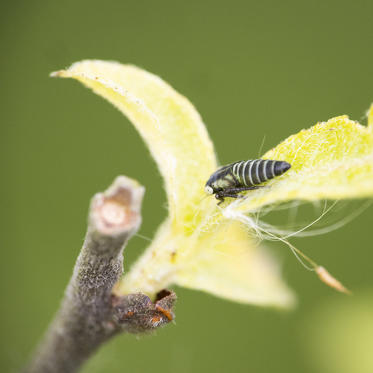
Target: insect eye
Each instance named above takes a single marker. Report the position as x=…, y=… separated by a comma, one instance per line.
x=208, y=189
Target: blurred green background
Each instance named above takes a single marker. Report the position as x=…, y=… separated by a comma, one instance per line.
x=252, y=69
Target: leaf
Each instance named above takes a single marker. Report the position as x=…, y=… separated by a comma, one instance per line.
x=331, y=160
x=228, y=264
x=168, y=123
x=225, y=262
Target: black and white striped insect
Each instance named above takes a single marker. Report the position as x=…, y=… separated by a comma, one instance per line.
x=237, y=177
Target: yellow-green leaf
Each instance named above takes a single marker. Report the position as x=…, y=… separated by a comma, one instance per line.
x=223, y=261
x=331, y=160
x=228, y=264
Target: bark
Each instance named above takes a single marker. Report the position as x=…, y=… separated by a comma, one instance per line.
x=90, y=314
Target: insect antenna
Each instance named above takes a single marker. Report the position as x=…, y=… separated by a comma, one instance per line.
x=261, y=146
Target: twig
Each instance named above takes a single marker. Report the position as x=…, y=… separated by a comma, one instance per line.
x=90, y=314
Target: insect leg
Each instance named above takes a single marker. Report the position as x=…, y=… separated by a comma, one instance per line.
x=232, y=192
x=231, y=195
x=240, y=189
x=221, y=196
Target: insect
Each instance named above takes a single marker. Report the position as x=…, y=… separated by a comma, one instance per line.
x=239, y=176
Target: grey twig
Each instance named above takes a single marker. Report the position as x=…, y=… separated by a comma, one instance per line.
x=90, y=314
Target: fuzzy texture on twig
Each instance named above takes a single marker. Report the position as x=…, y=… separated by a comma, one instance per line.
x=90, y=314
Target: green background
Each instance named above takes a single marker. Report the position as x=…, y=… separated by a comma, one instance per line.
x=253, y=69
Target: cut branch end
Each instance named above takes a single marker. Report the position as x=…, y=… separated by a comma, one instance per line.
x=118, y=209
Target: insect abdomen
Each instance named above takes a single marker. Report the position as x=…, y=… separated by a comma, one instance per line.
x=257, y=171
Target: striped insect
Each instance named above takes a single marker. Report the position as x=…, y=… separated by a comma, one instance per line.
x=240, y=176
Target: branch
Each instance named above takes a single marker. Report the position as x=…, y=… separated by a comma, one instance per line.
x=90, y=314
